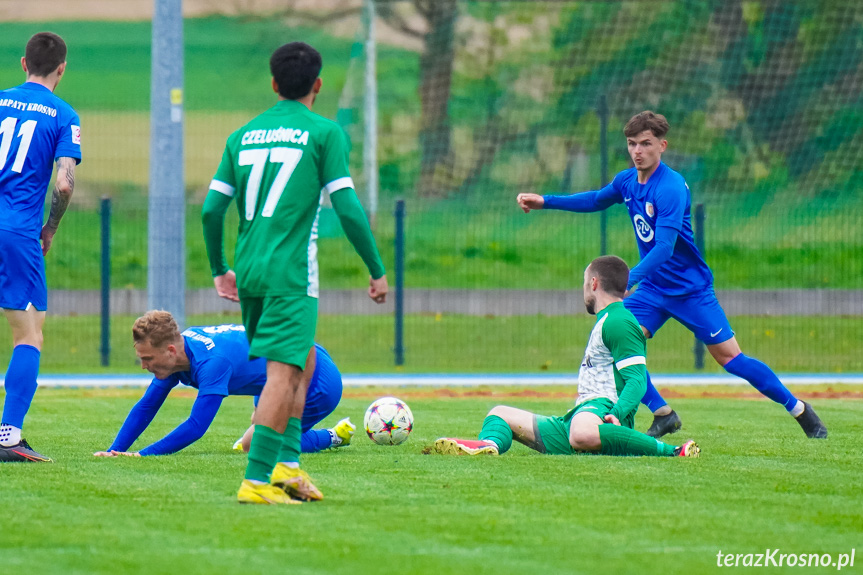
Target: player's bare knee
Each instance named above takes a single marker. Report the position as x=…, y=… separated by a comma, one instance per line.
x=499, y=411
x=724, y=352
x=724, y=360
x=585, y=438
x=33, y=339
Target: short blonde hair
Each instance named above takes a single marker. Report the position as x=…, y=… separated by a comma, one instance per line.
x=157, y=327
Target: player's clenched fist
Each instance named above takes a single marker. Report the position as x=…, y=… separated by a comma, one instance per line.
x=529, y=202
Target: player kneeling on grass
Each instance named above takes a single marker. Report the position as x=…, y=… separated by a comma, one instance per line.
x=611, y=383
x=215, y=360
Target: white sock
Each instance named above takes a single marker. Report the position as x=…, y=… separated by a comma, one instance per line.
x=334, y=438
x=797, y=409
x=291, y=464
x=9, y=435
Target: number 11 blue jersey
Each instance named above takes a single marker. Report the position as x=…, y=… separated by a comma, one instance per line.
x=36, y=128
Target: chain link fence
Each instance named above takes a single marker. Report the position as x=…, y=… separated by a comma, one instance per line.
x=478, y=101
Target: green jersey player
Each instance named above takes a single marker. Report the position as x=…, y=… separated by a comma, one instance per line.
x=611, y=383
x=277, y=167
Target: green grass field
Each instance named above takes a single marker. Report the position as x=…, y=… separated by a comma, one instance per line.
x=759, y=484
x=469, y=344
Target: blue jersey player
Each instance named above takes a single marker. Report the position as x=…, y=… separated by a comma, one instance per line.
x=37, y=130
x=215, y=361
x=672, y=278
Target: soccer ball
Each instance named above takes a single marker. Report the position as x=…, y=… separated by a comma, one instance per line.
x=388, y=421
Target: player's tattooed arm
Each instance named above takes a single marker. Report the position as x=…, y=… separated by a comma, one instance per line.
x=63, y=189
x=59, y=200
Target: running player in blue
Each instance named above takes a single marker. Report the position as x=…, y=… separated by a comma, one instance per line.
x=672, y=278
x=37, y=129
x=215, y=361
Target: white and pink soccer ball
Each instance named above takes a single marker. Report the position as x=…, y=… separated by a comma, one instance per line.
x=388, y=421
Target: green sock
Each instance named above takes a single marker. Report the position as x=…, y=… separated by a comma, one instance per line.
x=619, y=440
x=495, y=429
x=291, y=442
x=263, y=453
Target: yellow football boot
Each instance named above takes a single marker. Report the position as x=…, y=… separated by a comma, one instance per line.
x=295, y=482
x=263, y=494
x=453, y=446
x=344, y=431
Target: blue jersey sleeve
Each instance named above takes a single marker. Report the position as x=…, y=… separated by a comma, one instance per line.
x=213, y=376
x=671, y=206
x=167, y=384
x=585, y=201
x=141, y=415
x=203, y=413
x=69, y=142
x=666, y=237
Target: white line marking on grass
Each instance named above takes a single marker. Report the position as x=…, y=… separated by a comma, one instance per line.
x=468, y=380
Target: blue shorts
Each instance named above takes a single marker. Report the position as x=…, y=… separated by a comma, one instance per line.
x=22, y=273
x=324, y=393
x=699, y=312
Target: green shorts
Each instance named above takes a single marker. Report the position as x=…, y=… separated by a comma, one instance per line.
x=280, y=328
x=552, y=433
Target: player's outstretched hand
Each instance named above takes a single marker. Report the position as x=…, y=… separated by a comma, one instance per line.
x=378, y=289
x=529, y=202
x=47, y=237
x=611, y=419
x=126, y=453
x=104, y=454
x=226, y=286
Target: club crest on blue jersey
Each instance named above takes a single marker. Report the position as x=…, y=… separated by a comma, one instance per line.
x=649, y=208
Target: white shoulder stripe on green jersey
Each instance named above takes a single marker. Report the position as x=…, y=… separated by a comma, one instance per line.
x=222, y=188
x=634, y=360
x=313, y=285
x=339, y=184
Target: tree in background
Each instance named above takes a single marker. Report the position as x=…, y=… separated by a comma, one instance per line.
x=437, y=31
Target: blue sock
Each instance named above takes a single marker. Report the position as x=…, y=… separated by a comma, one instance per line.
x=315, y=440
x=651, y=398
x=762, y=378
x=20, y=384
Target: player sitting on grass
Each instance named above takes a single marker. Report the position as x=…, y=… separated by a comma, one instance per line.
x=215, y=360
x=611, y=383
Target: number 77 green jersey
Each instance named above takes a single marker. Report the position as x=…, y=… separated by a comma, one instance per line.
x=277, y=167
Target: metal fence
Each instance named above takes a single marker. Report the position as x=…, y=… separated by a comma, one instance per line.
x=478, y=101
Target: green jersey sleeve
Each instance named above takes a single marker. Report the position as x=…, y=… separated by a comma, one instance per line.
x=624, y=338
x=356, y=226
x=225, y=181
x=335, y=174
x=213, y=220
x=222, y=190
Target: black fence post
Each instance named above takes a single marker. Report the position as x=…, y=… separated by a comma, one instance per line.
x=698, y=350
x=105, y=219
x=399, y=348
